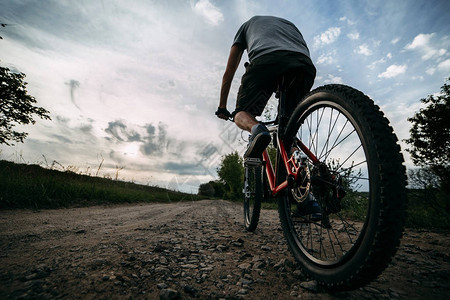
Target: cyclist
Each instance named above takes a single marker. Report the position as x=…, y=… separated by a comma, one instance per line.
x=275, y=46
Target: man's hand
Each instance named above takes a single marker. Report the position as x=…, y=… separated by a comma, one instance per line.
x=223, y=113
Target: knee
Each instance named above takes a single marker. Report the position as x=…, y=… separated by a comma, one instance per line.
x=244, y=120
x=240, y=115
x=243, y=117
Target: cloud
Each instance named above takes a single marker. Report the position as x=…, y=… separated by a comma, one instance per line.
x=62, y=139
x=393, y=71
x=79, y=130
x=445, y=65
x=211, y=14
x=345, y=19
x=333, y=79
x=375, y=63
x=86, y=128
x=380, y=61
x=353, y=36
x=325, y=59
x=155, y=142
x=364, y=50
x=327, y=37
x=423, y=44
x=150, y=140
x=430, y=71
x=420, y=41
x=181, y=168
x=73, y=84
x=119, y=131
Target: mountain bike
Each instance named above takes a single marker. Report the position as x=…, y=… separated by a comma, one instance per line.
x=338, y=148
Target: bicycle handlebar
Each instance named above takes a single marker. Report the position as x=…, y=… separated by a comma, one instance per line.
x=229, y=115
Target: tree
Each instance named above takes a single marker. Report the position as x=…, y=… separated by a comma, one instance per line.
x=206, y=189
x=219, y=188
x=231, y=172
x=430, y=134
x=430, y=139
x=426, y=184
x=212, y=189
x=16, y=106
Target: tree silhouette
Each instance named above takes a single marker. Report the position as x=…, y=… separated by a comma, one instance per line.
x=430, y=138
x=430, y=132
x=231, y=172
x=16, y=106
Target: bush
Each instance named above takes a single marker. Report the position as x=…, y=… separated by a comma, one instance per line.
x=206, y=189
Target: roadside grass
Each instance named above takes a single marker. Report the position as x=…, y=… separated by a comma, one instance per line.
x=428, y=211
x=35, y=187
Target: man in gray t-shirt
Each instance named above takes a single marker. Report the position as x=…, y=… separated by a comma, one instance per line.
x=264, y=34
x=275, y=46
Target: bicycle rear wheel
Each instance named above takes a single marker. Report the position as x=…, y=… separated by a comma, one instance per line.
x=253, y=194
x=359, y=182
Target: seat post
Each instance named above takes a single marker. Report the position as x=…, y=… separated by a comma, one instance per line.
x=283, y=118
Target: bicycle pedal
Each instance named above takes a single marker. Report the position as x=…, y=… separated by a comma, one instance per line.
x=252, y=162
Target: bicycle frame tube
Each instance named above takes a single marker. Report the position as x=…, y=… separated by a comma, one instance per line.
x=290, y=164
x=291, y=168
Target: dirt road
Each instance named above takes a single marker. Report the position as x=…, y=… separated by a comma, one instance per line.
x=191, y=249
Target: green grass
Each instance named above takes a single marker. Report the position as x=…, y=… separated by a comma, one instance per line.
x=31, y=186
x=427, y=211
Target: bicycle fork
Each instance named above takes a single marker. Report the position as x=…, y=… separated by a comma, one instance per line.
x=249, y=162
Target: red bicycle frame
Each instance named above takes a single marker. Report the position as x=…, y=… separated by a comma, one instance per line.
x=291, y=166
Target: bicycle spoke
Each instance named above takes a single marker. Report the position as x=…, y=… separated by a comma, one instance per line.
x=315, y=137
x=336, y=143
x=332, y=138
x=358, y=177
x=332, y=244
x=348, y=157
x=336, y=240
x=329, y=132
x=352, y=166
x=311, y=140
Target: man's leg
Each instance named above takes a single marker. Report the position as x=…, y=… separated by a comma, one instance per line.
x=245, y=121
x=260, y=137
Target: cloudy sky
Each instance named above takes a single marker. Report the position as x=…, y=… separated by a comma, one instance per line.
x=135, y=84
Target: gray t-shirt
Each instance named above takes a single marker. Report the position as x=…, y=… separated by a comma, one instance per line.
x=265, y=34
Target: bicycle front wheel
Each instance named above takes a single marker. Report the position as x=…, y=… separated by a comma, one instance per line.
x=359, y=182
x=253, y=194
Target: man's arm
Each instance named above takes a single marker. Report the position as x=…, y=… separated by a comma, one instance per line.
x=233, y=63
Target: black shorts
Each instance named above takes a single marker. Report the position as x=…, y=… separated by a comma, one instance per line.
x=260, y=80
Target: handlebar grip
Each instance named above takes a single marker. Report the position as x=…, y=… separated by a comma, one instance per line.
x=223, y=111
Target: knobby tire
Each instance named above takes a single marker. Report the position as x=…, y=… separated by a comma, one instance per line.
x=253, y=194
x=321, y=248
